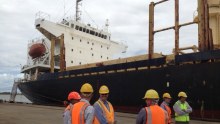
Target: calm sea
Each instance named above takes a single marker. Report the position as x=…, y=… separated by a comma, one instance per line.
x=18, y=98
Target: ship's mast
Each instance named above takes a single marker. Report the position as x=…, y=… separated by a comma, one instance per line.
x=78, y=10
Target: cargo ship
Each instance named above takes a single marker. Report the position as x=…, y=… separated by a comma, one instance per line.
x=72, y=53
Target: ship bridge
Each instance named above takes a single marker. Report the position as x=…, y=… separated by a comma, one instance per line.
x=83, y=44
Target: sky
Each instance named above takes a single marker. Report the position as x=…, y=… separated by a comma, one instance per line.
x=128, y=21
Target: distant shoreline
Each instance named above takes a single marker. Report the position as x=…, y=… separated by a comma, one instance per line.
x=7, y=93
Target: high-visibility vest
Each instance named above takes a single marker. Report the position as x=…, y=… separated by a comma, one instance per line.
x=168, y=112
x=156, y=115
x=78, y=112
x=182, y=118
x=108, y=114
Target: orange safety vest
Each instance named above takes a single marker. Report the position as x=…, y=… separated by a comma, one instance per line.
x=78, y=112
x=108, y=114
x=168, y=112
x=156, y=115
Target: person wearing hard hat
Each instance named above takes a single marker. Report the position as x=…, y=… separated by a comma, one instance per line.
x=165, y=106
x=182, y=109
x=104, y=111
x=152, y=114
x=73, y=98
x=83, y=112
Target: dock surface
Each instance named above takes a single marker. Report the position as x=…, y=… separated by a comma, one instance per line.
x=13, y=113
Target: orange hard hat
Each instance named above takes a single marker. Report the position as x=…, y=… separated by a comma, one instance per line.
x=74, y=95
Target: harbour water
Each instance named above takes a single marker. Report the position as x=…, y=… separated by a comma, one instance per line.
x=18, y=98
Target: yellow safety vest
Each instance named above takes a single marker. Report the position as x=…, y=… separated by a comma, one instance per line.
x=182, y=118
x=108, y=114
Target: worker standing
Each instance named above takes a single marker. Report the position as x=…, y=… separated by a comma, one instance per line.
x=83, y=112
x=182, y=109
x=165, y=106
x=73, y=98
x=104, y=111
x=152, y=114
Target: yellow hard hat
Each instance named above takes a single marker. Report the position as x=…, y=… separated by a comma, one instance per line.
x=151, y=94
x=103, y=89
x=166, y=95
x=182, y=94
x=86, y=88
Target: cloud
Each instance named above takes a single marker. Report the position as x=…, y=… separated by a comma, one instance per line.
x=7, y=80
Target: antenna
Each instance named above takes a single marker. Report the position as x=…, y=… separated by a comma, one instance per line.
x=106, y=25
x=77, y=10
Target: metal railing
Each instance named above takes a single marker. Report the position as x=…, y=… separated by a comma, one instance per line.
x=42, y=15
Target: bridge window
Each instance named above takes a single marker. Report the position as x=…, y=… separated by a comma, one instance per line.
x=105, y=37
x=80, y=28
x=84, y=30
x=92, y=32
x=72, y=25
x=87, y=31
x=77, y=27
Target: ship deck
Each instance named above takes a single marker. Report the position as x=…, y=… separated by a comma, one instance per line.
x=140, y=62
x=14, y=113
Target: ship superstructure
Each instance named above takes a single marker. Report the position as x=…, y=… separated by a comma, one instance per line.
x=83, y=43
x=68, y=43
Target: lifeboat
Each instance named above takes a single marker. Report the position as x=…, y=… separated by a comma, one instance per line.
x=37, y=50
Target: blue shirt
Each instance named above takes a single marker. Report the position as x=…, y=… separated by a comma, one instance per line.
x=67, y=116
x=99, y=113
x=162, y=105
x=178, y=110
x=89, y=112
x=141, y=117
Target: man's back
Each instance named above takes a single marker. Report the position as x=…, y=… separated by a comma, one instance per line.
x=152, y=115
x=82, y=113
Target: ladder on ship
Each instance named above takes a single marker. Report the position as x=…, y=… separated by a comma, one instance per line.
x=14, y=90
